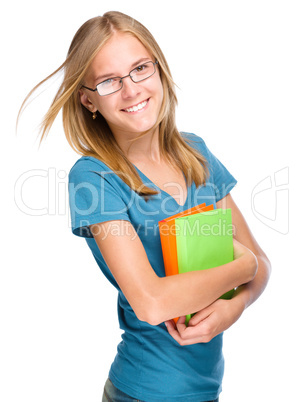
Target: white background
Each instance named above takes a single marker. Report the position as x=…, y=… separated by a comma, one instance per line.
x=238, y=66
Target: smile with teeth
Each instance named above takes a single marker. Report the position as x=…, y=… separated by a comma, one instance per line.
x=137, y=107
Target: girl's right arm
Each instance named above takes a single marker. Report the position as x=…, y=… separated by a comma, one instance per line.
x=156, y=299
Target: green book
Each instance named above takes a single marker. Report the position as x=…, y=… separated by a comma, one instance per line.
x=204, y=241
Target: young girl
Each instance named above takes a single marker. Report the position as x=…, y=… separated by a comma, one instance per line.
x=118, y=102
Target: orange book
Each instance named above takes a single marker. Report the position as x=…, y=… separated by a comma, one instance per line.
x=168, y=237
x=167, y=231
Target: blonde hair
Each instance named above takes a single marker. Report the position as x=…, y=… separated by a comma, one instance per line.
x=90, y=137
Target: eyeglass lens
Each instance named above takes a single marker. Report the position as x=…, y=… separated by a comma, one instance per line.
x=138, y=74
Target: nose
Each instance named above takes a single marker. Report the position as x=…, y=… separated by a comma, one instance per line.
x=130, y=89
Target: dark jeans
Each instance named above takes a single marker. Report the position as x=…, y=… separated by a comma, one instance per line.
x=113, y=394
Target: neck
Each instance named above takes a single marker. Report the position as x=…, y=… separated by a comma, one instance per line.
x=139, y=149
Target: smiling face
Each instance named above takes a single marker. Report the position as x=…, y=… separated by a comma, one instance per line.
x=135, y=108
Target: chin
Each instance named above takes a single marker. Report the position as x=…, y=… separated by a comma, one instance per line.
x=143, y=129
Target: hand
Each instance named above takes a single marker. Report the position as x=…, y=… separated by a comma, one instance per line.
x=207, y=323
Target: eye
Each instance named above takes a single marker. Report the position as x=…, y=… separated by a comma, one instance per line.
x=139, y=69
x=108, y=82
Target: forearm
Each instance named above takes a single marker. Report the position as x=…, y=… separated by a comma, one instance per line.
x=222, y=314
x=155, y=299
x=183, y=294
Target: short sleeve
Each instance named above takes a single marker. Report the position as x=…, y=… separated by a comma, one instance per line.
x=220, y=178
x=93, y=197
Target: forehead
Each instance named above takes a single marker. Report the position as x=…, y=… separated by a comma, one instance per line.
x=117, y=55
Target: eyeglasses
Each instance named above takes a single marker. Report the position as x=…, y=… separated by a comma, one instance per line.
x=114, y=84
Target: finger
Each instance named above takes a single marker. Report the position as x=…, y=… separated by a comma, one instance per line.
x=180, y=339
x=201, y=333
x=188, y=333
x=208, y=328
x=180, y=332
x=181, y=327
x=181, y=320
x=171, y=328
x=200, y=316
x=190, y=336
x=170, y=323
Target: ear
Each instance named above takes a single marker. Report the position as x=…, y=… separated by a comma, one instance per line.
x=84, y=99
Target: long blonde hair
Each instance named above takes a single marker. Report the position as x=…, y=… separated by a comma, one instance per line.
x=90, y=137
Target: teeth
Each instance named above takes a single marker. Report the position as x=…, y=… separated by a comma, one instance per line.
x=137, y=107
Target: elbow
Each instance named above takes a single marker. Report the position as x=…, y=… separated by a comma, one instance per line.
x=149, y=312
x=149, y=305
x=150, y=319
x=266, y=266
x=253, y=267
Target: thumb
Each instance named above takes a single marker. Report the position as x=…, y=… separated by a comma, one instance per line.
x=200, y=316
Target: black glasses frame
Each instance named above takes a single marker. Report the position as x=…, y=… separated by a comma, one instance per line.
x=122, y=78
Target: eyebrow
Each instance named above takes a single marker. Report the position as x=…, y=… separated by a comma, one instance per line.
x=100, y=78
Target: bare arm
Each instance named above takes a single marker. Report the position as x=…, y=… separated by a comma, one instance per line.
x=157, y=299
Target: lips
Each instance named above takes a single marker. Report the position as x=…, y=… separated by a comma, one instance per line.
x=137, y=107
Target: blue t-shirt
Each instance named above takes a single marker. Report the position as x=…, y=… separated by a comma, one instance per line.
x=150, y=365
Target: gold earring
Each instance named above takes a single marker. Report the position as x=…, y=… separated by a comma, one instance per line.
x=94, y=116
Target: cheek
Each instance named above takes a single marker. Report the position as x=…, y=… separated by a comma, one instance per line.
x=155, y=87
x=160, y=92
x=105, y=108
x=160, y=86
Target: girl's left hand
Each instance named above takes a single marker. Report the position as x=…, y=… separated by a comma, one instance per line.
x=206, y=323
